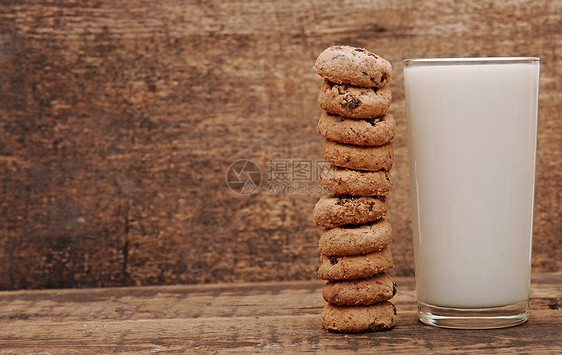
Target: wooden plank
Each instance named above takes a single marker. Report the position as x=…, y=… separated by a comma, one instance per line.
x=119, y=120
x=247, y=318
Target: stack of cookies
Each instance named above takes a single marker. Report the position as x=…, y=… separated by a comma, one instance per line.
x=354, y=244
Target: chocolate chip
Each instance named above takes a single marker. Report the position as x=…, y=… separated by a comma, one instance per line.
x=394, y=308
x=341, y=89
x=383, y=77
x=373, y=121
x=360, y=50
x=394, y=293
x=343, y=201
x=333, y=260
x=350, y=102
x=379, y=327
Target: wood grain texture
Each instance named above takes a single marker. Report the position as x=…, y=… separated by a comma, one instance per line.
x=280, y=317
x=119, y=120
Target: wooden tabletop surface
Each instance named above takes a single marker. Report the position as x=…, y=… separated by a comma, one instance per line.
x=280, y=317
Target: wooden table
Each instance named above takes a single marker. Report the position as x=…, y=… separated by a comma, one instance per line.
x=280, y=317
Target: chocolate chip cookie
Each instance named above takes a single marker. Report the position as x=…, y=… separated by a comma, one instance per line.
x=342, y=181
x=370, y=290
x=355, y=239
x=334, y=267
x=359, y=157
x=359, y=319
x=354, y=102
x=369, y=132
x=331, y=211
x=354, y=66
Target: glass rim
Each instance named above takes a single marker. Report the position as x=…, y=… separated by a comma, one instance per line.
x=470, y=61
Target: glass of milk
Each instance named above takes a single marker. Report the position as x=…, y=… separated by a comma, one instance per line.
x=472, y=133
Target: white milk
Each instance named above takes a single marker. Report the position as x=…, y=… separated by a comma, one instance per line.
x=472, y=138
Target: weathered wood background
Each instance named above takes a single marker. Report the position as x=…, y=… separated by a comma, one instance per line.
x=119, y=120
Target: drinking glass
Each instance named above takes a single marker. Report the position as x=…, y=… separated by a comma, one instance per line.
x=472, y=133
